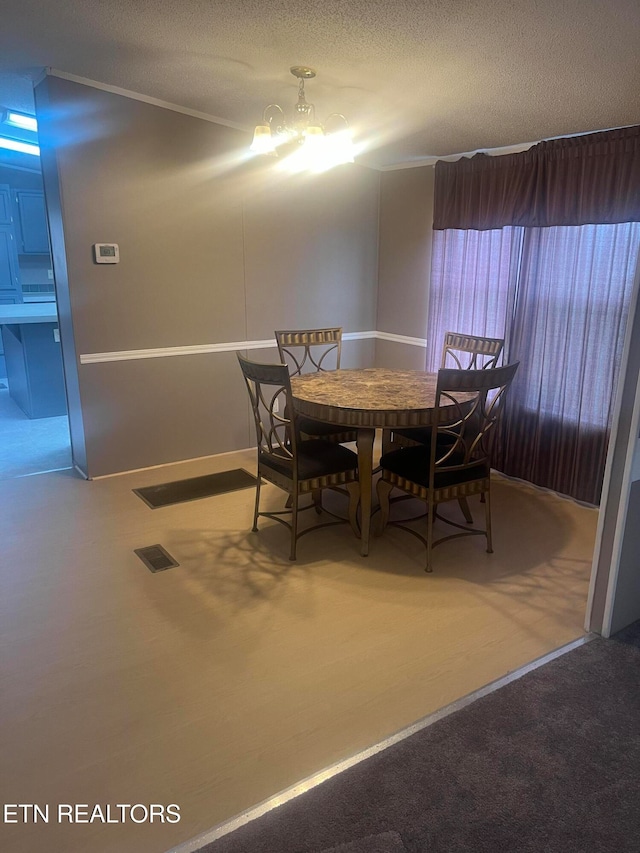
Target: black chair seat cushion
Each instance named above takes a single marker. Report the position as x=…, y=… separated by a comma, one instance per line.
x=309, y=426
x=316, y=458
x=421, y=434
x=412, y=463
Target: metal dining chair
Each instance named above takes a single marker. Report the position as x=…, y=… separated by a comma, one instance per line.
x=310, y=351
x=456, y=463
x=296, y=465
x=465, y=352
x=470, y=352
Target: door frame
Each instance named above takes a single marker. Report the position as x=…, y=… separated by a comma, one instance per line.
x=604, y=615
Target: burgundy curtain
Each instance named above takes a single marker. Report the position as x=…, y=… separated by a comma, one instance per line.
x=541, y=248
x=567, y=330
x=593, y=178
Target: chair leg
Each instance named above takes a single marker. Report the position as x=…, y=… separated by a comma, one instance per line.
x=294, y=525
x=387, y=441
x=487, y=509
x=289, y=503
x=316, y=495
x=354, y=499
x=384, y=490
x=464, y=506
x=257, y=505
x=431, y=511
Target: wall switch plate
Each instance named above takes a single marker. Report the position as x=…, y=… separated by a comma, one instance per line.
x=106, y=253
x=50, y=275
x=56, y=335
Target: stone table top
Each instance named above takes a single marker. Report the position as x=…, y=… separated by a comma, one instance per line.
x=367, y=397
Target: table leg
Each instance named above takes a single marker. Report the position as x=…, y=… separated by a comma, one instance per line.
x=365, y=472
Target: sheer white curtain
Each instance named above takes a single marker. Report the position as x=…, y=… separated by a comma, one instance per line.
x=473, y=280
x=559, y=296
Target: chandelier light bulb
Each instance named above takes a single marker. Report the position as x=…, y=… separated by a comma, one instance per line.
x=262, y=140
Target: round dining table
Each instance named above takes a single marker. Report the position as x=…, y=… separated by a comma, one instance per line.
x=367, y=399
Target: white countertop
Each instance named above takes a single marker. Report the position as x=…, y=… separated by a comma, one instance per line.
x=29, y=312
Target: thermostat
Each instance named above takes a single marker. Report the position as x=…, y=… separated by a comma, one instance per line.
x=106, y=253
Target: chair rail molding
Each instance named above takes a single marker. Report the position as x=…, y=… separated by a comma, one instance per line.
x=230, y=346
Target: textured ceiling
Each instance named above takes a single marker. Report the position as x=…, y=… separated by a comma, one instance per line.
x=416, y=79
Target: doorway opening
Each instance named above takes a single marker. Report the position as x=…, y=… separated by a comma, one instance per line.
x=33, y=407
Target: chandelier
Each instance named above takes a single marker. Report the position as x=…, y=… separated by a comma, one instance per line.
x=315, y=145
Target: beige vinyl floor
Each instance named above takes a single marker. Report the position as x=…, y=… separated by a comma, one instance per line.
x=219, y=683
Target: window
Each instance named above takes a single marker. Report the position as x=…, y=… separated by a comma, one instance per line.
x=560, y=297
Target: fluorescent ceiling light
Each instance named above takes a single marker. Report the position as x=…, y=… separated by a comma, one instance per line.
x=24, y=122
x=23, y=147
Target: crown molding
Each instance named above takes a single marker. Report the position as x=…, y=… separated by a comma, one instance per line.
x=431, y=161
x=167, y=105
x=136, y=96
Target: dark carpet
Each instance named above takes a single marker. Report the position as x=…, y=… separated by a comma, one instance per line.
x=165, y=494
x=550, y=762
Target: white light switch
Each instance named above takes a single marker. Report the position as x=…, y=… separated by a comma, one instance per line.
x=50, y=275
x=56, y=335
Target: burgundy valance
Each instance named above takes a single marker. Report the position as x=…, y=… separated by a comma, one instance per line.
x=578, y=180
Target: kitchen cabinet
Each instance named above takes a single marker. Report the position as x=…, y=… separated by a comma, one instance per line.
x=10, y=288
x=32, y=231
x=34, y=359
x=5, y=205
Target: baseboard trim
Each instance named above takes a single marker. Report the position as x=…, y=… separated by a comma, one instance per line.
x=175, y=462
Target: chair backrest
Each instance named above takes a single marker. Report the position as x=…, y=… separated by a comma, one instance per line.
x=470, y=352
x=468, y=404
x=310, y=350
x=270, y=394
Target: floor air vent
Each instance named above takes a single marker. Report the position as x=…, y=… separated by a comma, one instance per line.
x=178, y=491
x=155, y=558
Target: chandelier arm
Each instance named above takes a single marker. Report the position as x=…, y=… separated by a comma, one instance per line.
x=265, y=117
x=276, y=120
x=336, y=115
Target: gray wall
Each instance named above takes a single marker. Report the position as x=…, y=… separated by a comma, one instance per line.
x=213, y=250
x=626, y=602
x=406, y=220
x=614, y=596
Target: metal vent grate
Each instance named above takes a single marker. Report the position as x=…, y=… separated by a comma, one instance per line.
x=194, y=488
x=155, y=558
